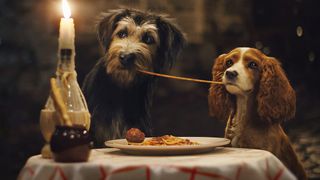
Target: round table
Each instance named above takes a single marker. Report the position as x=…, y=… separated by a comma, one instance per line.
x=110, y=163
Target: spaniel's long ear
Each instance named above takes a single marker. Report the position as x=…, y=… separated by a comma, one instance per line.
x=219, y=100
x=276, y=98
x=172, y=40
x=107, y=23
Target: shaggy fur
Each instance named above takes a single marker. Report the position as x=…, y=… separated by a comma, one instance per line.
x=255, y=99
x=118, y=96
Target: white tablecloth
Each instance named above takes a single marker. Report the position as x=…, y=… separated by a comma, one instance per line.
x=110, y=163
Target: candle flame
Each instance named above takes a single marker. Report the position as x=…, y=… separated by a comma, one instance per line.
x=66, y=9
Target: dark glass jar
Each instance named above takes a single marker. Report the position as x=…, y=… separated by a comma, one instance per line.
x=70, y=144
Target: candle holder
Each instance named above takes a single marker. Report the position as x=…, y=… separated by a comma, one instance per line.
x=73, y=98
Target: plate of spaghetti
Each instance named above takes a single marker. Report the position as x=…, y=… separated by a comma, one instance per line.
x=168, y=145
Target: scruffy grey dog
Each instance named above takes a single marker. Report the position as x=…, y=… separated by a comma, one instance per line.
x=119, y=97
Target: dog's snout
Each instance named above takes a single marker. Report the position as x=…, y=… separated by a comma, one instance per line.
x=127, y=59
x=231, y=74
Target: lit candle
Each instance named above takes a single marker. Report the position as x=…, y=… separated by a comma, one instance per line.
x=67, y=33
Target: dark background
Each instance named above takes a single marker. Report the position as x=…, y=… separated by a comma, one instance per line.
x=287, y=29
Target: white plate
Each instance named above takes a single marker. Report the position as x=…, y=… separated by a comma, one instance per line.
x=206, y=144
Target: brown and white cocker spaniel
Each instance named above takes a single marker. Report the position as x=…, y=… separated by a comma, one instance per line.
x=255, y=99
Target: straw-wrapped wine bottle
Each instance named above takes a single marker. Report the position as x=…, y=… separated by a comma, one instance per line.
x=72, y=96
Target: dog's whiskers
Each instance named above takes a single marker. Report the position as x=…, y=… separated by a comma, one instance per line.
x=144, y=59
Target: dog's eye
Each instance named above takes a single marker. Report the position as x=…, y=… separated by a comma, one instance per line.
x=148, y=39
x=122, y=34
x=253, y=65
x=229, y=63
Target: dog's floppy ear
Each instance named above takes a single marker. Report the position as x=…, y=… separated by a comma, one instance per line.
x=107, y=22
x=172, y=40
x=276, y=98
x=219, y=100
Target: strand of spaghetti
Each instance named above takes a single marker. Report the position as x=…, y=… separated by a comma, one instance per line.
x=180, y=78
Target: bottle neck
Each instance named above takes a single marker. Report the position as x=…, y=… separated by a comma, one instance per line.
x=66, y=61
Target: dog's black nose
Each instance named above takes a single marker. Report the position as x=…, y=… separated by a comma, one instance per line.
x=231, y=74
x=127, y=59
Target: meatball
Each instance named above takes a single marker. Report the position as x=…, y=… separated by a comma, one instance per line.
x=134, y=135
